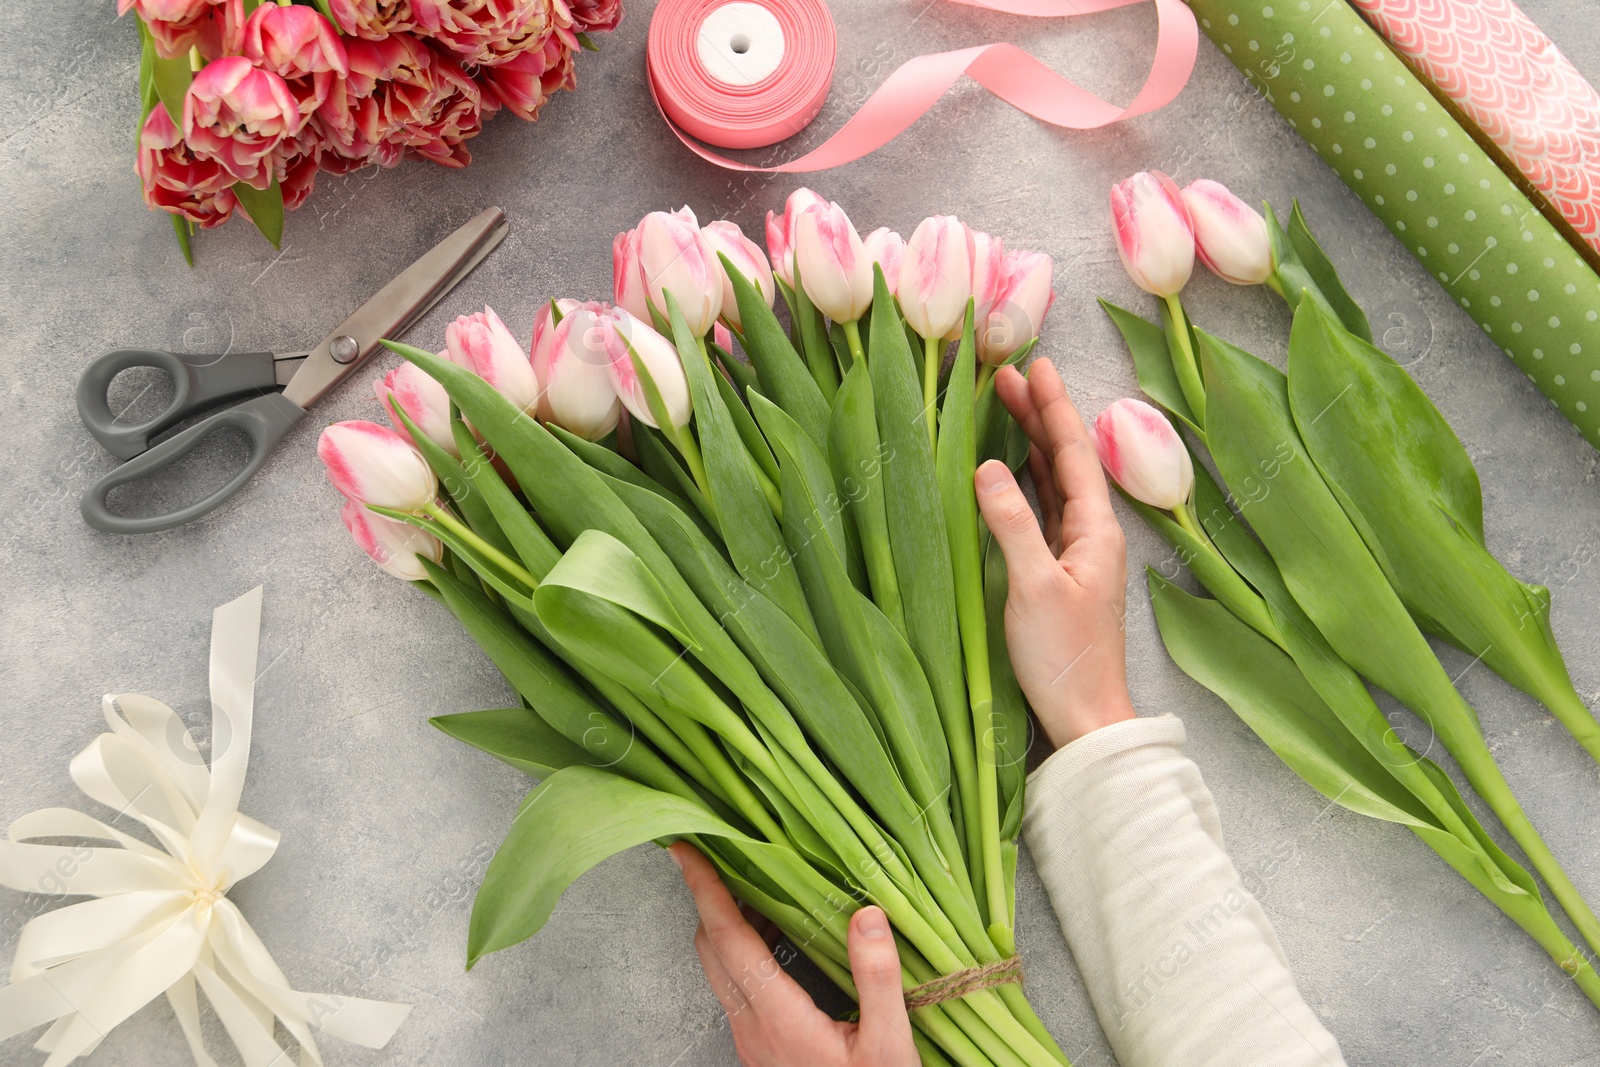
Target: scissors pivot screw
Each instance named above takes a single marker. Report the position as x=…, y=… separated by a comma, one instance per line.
x=344, y=349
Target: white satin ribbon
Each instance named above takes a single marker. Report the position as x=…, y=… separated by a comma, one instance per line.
x=161, y=921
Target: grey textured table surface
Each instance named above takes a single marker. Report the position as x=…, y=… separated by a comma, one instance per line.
x=387, y=824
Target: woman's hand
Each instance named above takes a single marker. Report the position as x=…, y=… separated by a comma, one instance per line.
x=1065, y=600
x=773, y=1020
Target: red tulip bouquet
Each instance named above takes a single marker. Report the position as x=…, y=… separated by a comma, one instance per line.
x=1348, y=522
x=244, y=101
x=745, y=602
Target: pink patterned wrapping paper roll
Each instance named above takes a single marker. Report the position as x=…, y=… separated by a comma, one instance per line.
x=1495, y=64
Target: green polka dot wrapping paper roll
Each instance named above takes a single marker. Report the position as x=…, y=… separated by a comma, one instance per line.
x=1341, y=88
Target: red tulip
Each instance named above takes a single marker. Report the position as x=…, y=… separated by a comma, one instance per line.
x=402, y=95
x=176, y=180
x=488, y=32
x=396, y=546
x=522, y=84
x=237, y=114
x=373, y=20
x=301, y=47
x=212, y=26
x=591, y=16
x=372, y=464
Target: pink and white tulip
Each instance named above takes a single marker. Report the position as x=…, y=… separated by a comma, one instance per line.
x=613, y=331
x=176, y=180
x=397, y=547
x=935, y=277
x=572, y=360
x=1143, y=454
x=176, y=26
x=987, y=255
x=832, y=264
x=482, y=343
x=372, y=464
x=1230, y=235
x=237, y=114
x=675, y=258
x=780, y=231
x=1154, y=234
x=888, y=250
x=1021, y=300
x=409, y=388
x=747, y=258
x=627, y=276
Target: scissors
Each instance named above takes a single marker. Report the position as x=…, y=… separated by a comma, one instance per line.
x=252, y=381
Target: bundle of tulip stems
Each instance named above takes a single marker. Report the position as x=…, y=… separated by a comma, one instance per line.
x=777, y=634
x=1368, y=530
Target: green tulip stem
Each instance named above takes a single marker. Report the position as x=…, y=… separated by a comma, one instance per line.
x=445, y=518
x=932, y=356
x=852, y=336
x=683, y=438
x=1185, y=363
x=985, y=372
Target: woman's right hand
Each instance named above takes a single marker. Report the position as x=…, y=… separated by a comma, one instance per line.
x=1065, y=600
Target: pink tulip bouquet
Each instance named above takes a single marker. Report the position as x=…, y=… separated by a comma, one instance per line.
x=245, y=101
x=715, y=581
x=1348, y=521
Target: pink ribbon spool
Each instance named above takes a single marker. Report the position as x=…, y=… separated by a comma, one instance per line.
x=752, y=113
x=710, y=84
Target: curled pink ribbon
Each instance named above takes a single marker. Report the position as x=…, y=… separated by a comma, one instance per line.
x=1006, y=71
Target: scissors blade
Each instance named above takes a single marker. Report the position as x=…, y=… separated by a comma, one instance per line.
x=395, y=307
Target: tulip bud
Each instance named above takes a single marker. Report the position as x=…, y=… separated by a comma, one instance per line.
x=372, y=464
x=482, y=343
x=627, y=276
x=676, y=259
x=1144, y=454
x=614, y=332
x=1230, y=235
x=935, y=277
x=237, y=114
x=570, y=358
x=832, y=264
x=393, y=545
x=1023, y=296
x=424, y=401
x=888, y=250
x=987, y=255
x=747, y=258
x=780, y=232
x=1154, y=235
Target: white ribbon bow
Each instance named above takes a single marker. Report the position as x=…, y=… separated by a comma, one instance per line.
x=162, y=920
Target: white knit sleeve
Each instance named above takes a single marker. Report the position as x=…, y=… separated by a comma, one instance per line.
x=1180, y=961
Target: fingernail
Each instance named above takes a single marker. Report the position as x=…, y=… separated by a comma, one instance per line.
x=872, y=924
x=676, y=859
x=993, y=477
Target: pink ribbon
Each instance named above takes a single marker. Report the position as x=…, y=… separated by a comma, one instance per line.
x=1006, y=71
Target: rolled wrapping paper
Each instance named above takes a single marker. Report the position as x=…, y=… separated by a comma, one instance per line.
x=1512, y=83
x=1341, y=87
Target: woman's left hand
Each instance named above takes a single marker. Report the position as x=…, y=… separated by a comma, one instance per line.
x=774, y=1022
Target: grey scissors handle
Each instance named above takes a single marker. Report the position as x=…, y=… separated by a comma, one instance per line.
x=265, y=420
x=199, y=382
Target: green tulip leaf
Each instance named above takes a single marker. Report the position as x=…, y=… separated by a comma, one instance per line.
x=856, y=460
x=265, y=209
x=783, y=374
x=1322, y=271
x=1152, y=361
x=516, y=736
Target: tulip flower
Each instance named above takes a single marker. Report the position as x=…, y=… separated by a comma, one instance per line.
x=237, y=114
x=178, y=181
x=1022, y=298
x=627, y=277
x=591, y=16
x=176, y=26
x=935, y=277
x=675, y=258
x=1154, y=235
x=424, y=401
x=987, y=255
x=614, y=332
x=372, y=464
x=373, y=20
x=522, y=85
x=1144, y=455
x=482, y=343
x=484, y=34
x=300, y=46
x=727, y=239
x=887, y=249
x=397, y=547
x=1230, y=235
x=1155, y=238
x=571, y=360
x=831, y=263
x=780, y=232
